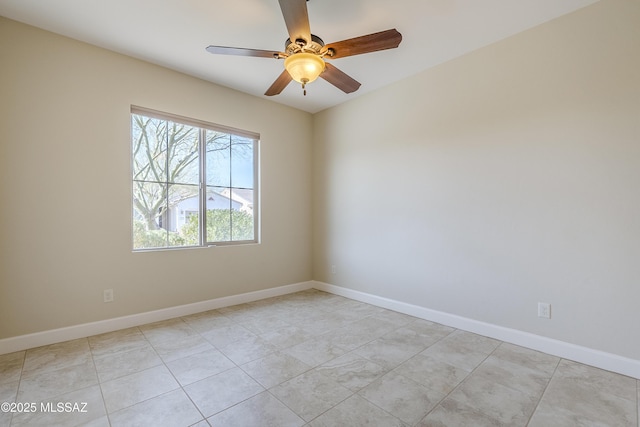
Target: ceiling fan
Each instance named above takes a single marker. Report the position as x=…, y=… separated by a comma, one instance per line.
x=305, y=53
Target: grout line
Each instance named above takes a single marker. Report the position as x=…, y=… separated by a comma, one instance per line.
x=15, y=398
x=104, y=403
x=466, y=378
x=545, y=390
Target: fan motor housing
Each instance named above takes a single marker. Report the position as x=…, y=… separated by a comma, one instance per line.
x=314, y=46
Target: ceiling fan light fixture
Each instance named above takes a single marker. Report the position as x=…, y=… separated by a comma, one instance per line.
x=304, y=67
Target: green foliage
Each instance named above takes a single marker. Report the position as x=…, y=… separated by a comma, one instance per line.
x=160, y=238
x=223, y=225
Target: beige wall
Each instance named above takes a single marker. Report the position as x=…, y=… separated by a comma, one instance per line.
x=503, y=178
x=65, y=208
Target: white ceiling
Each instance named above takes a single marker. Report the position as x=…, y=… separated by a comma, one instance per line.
x=174, y=34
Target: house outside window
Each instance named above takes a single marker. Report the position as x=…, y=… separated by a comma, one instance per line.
x=194, y=183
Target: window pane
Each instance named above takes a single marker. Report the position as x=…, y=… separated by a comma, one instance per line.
x=149, y=148
x=183, y=215
x=242, y=218
x=149, y=215
x=182, y=150
x=218, y=159
x=241, y=162
x=218, y=215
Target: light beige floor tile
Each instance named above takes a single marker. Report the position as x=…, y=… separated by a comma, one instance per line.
x=5, y=417
x=274, y=369
x=320, y=325
x=170, y=409
x=167, y=331
x=11, y=366
x=297, y=314
x=246, y=350
x=395, y=318
x=421, y=331
x=356, y=411
x=272, y=306
x=37, y=385
x=182, y=347
x=8, y=393
x=135, y=388
x=310, y=394
x=311, y=310
x=353, y=306
x=507, y=405
x=225, y=335
x=454, y=414
x=117, y=341
x=349, y=338
x=207, y=320
x=389, y=352
x=527, y=359
x=77, y=408
x=582, y=395
x=221, y=391
x=469, y=339
x=115, y=365
x=238, y=312
x=293, y=313
x=523, y=379
x=401, y=397
x=98, y=422
x=329, y=302
x=316, y=351
x=199, y=366
x=56, y=356
x=286, y=337
x=373, y=326
x=346, y=315
x=262, y=410
x=352, y=371
x=558, y=416
x=433, y=373
x=462, y=349
x=308, y=295
x=264, y=324
x=604, y=381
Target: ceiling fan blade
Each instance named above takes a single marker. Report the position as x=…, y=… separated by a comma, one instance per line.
x=281, y=82
x=296, y=18
x=224, y=50
x=339, y=79
x=388, y=39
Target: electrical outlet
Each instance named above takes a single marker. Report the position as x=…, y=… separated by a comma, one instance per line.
x=544, y=310
x=333, y=269
x=108, y=295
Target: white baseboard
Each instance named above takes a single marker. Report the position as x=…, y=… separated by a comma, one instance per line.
x=599, y=359
x=23, y=342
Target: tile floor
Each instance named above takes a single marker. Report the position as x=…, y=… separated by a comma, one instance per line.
x=308, y=358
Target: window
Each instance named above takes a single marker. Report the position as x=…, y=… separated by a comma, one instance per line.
x=194, y=183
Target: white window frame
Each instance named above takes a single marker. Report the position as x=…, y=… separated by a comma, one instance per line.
x=203, y=126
